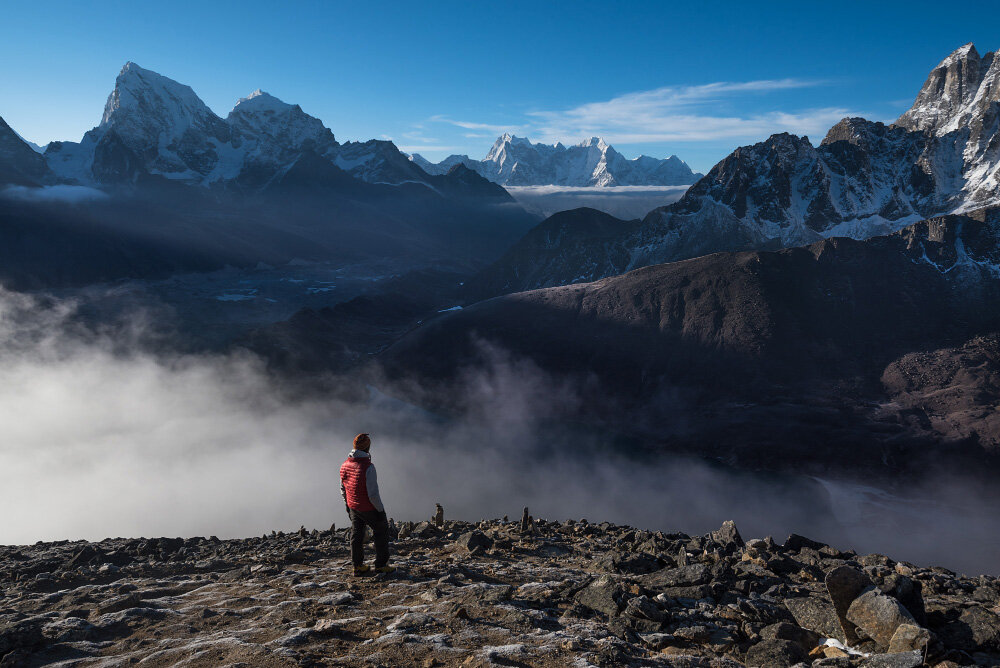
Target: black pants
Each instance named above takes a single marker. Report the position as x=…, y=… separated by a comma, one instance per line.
x=380, y=528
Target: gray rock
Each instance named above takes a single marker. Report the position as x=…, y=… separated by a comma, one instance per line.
x=603, y=595
x=474, y=540
x=776, y=654
x=645, y=608
x=878, y=615
x=684, y=576
x=844, y=584
x=896, y=660
x=728, y=536
x=816, y=614
x=805, y=638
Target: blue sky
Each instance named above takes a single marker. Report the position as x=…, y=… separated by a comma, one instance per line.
x=693, y=79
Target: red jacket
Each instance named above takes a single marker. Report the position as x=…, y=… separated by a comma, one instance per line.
x=354, y=476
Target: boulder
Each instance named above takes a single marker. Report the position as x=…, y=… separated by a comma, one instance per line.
x=909, y=637
x=474, y=540
x=844, y=584
x=603, y=595
x=878, y=615
x=816, y=614
x=776, y=654
x=645, y=608
x=728, y=536
x=804, y=638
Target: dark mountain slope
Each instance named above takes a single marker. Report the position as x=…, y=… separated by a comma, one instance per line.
x=746, y=355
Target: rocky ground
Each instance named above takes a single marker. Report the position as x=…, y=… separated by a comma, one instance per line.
x=514, y=593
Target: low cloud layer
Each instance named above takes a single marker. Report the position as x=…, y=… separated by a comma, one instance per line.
x=61, y=193
x=102, y=436
x=626, y=202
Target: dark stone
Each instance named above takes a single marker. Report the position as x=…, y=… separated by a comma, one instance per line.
x=907, y=591
x=119, y=603
x=844, y=584
x=728, y=536
x=975, y=630
x=19, y=635
x=645, y=608
x=805, y=638
x=603, y=595
x=473, y=540
x=795, y=542
x=776, y=654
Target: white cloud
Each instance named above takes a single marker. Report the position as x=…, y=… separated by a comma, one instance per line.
x=467, y=125
x=673, y=114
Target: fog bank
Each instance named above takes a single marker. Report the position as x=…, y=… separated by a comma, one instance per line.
x=104, y=434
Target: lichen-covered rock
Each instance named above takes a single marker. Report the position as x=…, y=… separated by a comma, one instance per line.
x=816, y=614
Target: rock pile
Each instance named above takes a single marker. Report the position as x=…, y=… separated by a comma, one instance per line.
x=568, y=593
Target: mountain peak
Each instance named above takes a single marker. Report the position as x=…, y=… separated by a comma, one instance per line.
x=595, y=141
x=964, y=52
x=260, y=101
x=146, y=93
x=957, y=93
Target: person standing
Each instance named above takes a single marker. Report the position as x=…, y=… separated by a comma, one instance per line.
x=359, y=488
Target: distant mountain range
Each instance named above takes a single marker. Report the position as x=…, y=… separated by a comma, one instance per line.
x=167, y=185
x=864, y=179
x=515, y=161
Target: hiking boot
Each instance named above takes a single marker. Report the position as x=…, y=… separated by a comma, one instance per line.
x=362, y=570
x=386, y=569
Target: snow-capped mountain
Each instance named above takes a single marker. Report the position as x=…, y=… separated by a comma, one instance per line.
x=153, y=125
x=864, y=179
x=515, y=161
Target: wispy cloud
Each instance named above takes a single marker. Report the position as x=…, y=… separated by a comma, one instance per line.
x=683, y=113
x=674, y=114
x=467, y=125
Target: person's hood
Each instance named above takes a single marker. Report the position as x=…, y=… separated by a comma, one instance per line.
x=359, y=454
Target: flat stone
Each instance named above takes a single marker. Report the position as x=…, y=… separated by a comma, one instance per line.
x=896, y=660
